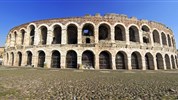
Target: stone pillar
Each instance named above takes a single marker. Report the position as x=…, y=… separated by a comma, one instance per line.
x=164, y=64
x=96, y=35
x=170, y=62
x=79, y=61
x=112, y=35
x=24, y=59
x=36, y=37
x=140, y=37
x=113, y=63
x=49, y=37
x=97, y=61
x=151, y=39
x=63, y=61
x=155, y=63
x=129, y=63
x=35, y=60
x=64, y=36
x=160, y=40
x=12, y=43
x=127, y=37
x=79, y=39
x=48, y=61
x=143, y=63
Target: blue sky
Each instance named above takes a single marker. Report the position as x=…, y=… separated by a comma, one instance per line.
x=16, y=12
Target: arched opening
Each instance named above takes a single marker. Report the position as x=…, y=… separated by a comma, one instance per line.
x=145, y=28
x=169, y=40
x=32, y=34
x=119, y=33
x=15, y=36
x=88, y=59
x=164, y=42
x=56, y=58
x=88, y=30
x=29, y=58
x=72, y=34
x=71, y=59
x=173, y=62
x=159, y=61
x=121, y=60
x=19, y=58
x=57, y=35
x=43, y=35
x=104, y=60
x=145, y=40
x=104, y=32
x=23, y=36
x=12, y=58
x=167, y=60
x=156, y=37
x=7, y=59
x=149, y=61
x=133, y=34
x=136, y=60
x=87, y=40
x=41, y=59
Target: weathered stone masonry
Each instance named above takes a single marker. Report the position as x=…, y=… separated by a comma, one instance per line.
x=111, y=41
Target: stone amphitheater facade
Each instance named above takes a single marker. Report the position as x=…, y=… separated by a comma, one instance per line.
x=112, y=41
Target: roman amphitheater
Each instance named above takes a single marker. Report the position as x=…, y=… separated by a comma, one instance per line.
x=112, y=41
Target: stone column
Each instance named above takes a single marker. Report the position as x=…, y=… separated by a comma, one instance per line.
x=170, y=62
x=79, y=36
x=112, y=35
x=140, y=37
x=35, y=60
x=49, y=37
x=143, y=63
x=151, y=39
x=113, y=63
x=164, y=64
x=36, y=37
x=48, y=61
x=129, y=63
x=79, y=61
x=63, y=61
x=96, y=35
x=12, y=43
x=24, y=59
x=127, y=37
x=64, y=36
x=97, y=61
x=160, y=40
x=155, y=63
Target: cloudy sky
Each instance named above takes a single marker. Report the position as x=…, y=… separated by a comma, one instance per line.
x=16, y=12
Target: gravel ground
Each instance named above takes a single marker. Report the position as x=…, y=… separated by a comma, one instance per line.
x=69, y=84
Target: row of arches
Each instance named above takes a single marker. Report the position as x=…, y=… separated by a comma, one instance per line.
x=105, y=60
x=88, y=30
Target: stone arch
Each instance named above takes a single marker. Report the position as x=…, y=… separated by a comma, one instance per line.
x=163, y=36
x=32, y=34
x=133, y=34
x=19, y=58
x=88, y=29
x=167, y=61
x=88, y=59
x=105, y=60
x=55, y=59
x=156, y=37
x=169, y=40
x=145, y=32
x=149, y=63
x=136, y=61
x=120, y=32
x=121, y=60
x=29, y=58
x=104, y=32
x=12, y=59
x=41, y=58
x=22, y=31
x=43, y=35
x=145, y=28
x=173, y=62
x=57, y=34
x=71, y=59
x=72, y=34
x=159, y=61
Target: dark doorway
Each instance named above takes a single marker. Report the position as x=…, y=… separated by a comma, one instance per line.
x=88, y=59
x=71, y=59
x=29, y=58
x=104, y=60
x=20, y=58
x=32, y=34
x=55, y=63
x=120, y=61
x=72, y=34
x=87, y=40
x=57, y=35
x=134, y=61
x=159, y=60
x=41, y=59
